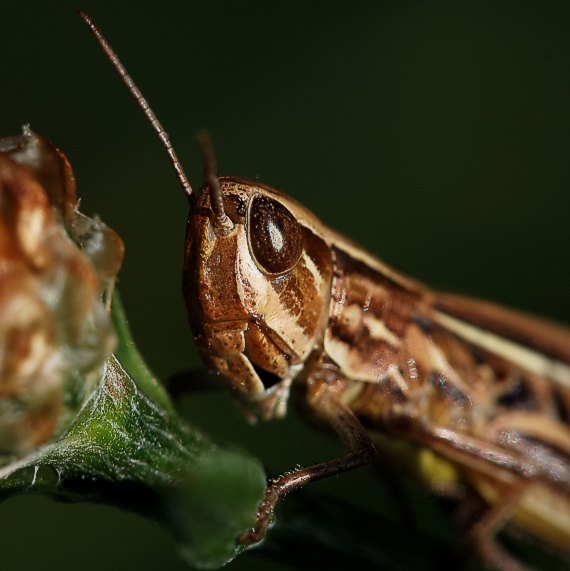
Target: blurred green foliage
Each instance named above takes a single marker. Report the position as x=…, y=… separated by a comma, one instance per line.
x=128, y=448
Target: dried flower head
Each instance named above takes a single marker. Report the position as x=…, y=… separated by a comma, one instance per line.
x=55, y=267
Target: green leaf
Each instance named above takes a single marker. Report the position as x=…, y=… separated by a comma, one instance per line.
x=129, y=448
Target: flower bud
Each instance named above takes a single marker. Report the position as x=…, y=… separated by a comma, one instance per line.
x=55, y=330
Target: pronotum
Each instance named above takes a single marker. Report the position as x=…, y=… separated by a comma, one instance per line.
x=280, y=302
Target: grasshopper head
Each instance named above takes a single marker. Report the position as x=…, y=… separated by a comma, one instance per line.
x=257, y=289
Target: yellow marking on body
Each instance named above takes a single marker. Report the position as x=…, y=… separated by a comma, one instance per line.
x=419, y=462
x=436, y=470
x=528, y=359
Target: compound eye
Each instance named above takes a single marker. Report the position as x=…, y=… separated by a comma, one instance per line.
x=275, y=237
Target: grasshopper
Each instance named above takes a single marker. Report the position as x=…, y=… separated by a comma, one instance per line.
x=278, y=301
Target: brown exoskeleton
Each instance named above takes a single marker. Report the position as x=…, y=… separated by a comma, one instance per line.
x=276, y=299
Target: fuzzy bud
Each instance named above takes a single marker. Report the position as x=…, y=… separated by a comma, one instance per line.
x=55, y=330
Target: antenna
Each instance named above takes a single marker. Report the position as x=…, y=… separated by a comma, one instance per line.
x=142, y=102
x=222, y=223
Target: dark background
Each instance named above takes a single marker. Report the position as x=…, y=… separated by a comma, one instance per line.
x=436, y=133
